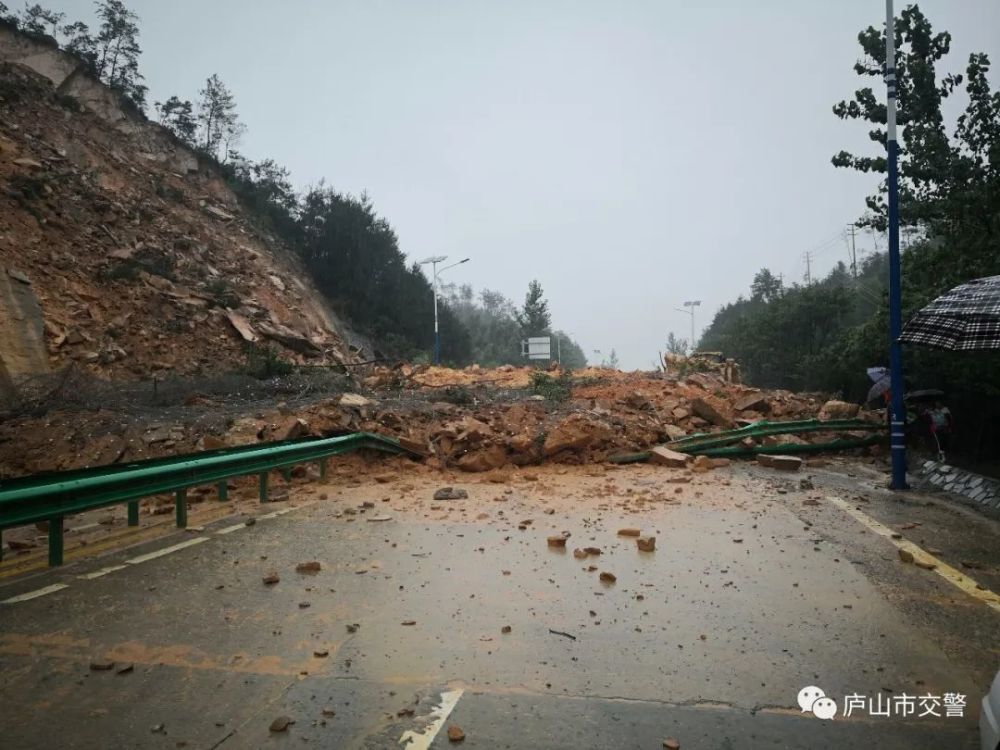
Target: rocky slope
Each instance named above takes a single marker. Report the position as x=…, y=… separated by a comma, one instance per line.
x=139, y=256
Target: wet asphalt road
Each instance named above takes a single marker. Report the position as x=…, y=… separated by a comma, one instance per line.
x=756, y=589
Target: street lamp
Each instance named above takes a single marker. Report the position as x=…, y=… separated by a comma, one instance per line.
x=690, y=305
x=434, y=260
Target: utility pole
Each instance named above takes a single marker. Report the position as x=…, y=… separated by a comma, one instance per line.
x=854, y=253
x=808, y=256
x=434, y=260
x=897, y=420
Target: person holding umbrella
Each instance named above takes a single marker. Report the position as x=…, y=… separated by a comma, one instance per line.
x=942, y=426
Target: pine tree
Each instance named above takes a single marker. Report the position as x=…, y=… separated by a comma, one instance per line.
x=38, y=20
x=118, y=51
x=534, y=317
x=80, y=43
x=217, y=116
x=178, y=116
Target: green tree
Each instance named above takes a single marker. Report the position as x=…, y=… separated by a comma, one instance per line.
x=573, y=357
x=38, y=20
x=766, y=286
x=354, y=257
x=117, y=48
x=79, y=42
x=178, y=117
x=217, y=116
x=534, y=317
x=675, y=345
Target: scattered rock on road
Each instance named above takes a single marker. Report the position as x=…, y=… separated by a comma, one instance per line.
x=101, y=665
x=281, y=724
x=784, y=463
x=646, y=543
x=308, y=567
x=666, y=457
x=629, y=532
x=271, y=578
x=455, y=733
x=450, y=493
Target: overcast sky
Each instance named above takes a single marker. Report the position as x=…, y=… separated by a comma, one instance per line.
x=628, y=155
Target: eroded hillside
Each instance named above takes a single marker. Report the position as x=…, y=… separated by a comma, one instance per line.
x=138, y=254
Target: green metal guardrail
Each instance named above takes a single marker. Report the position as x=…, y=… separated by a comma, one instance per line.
x=722, y=443
x=51, y=497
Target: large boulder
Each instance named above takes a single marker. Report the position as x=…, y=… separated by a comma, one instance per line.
x=757, y=402
x=666, y=457
x=483, y=459
x=574, y=433
x=838, y=410
x=710, y=413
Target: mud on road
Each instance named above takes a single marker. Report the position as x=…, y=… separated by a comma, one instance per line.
x=758, y=586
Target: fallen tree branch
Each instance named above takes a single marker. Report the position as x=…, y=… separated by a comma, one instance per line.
x=564, y=635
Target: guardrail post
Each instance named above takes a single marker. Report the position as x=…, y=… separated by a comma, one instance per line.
x=181, y=509
x=133, y=513
x=55, y=541
x=322, y=468
x=263, y=487
x=223, y=488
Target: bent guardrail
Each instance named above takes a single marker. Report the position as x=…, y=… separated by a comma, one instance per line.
x=729, y=442
x=51, y=497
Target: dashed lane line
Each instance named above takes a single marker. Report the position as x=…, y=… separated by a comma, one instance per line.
x=954, y=576
x=36, y=593
x=144, y=558
x=101, y=572
x=166, y=550
x=440, y=714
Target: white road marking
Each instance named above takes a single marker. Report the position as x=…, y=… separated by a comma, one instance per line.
x=231, y=529
x=36, y=593
x=166, y=551
x=954, y=576
x=440, y=714
x=101, y=572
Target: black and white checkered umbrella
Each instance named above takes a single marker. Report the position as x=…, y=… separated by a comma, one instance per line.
x=965, y=319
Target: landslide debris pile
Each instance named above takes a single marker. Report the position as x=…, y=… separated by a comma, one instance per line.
x=491, y=419
x=137, y=251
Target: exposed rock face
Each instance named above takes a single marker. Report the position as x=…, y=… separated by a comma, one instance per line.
x=139, y=255
x=22, y=330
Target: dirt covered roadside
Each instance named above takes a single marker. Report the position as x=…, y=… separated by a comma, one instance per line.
x=473, y=420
